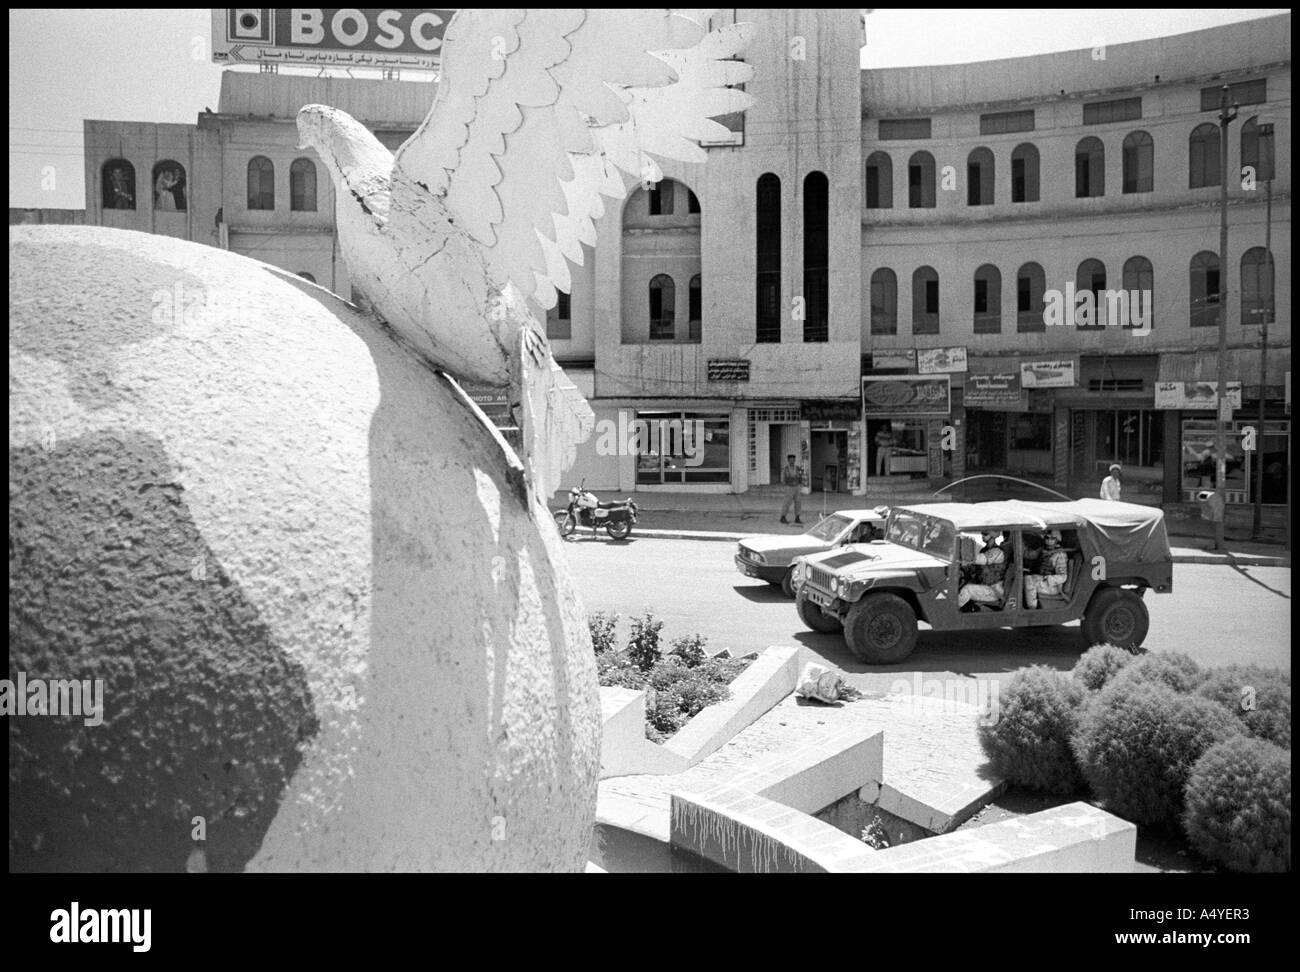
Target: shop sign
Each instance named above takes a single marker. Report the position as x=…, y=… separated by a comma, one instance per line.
x=728, y=369
x=1000, y=392
x=900, y=358
x=303, y=37
x=1196, y=394
x=1049, y=374
x=830, y=410
x=938, y=361
x=495, y=403
x=906, y=395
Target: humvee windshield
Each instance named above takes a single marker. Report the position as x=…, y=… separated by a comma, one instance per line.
x=925, y=533
x=831, y=527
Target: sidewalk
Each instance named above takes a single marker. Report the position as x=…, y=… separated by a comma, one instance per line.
x=730, y=516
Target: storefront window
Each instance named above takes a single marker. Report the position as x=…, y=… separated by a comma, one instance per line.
x=683, y=447
x=1131, y=437
x=1200, y=460
x=1033, y=431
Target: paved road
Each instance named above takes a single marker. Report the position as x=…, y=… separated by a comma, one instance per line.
x=1218, y=615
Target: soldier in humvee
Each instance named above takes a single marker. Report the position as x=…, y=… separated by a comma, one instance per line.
x=1053, y=567
x=992, y=564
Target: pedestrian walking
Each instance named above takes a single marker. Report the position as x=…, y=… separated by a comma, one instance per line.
x=792, y=480
x=1110, y=486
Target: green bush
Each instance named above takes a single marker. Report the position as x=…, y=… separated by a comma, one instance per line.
x=1136, y=743
x=1239, y=805
x=602, y=627
x=664, y=712
x=1170, y=668
x=614, y=668
x=643, y=641
x=690, y=649
x=1029, y=743
x=1098, y=665
x=1259, y=697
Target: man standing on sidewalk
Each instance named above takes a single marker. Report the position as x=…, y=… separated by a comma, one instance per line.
x=792, y=480
x=1110, y=485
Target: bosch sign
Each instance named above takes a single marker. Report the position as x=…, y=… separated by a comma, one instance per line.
x=321, y=36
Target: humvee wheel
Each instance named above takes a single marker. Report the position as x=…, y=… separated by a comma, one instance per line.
x=787, y=583
x=814, y=617
x=1115, y=616
x=881, y=629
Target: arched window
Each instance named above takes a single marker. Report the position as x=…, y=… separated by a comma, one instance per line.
x=1257, y=149
x=880, y=181
x=169, y=187
x=692, y=202
x=1205, y=289
x=1256, y=287
x=767, y=312
x=118, y=179
x=661, y=197
x=1089, y=168
x=663, y=308
x=988, y=300
x=1091, y=278
x=306, y=276
x=816, y=256
x=1024, y=173
x=1203, y=157
x=695, y=307
x=979, y=178
x=1138, y=162
x=1031, y=286
x=884, y=301
x=925, y=301
x=261, y=183
x=920, y=181
x=302, y=186
x=1139, y=283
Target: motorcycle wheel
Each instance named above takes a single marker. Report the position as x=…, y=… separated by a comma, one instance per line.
x=565, y=521
x=620, y=530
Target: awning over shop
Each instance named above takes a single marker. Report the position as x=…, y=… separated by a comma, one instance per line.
x=1242, y=365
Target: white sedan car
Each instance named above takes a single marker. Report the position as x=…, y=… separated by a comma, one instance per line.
x=771, y=556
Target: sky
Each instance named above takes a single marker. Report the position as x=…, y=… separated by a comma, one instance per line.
x=155, y=66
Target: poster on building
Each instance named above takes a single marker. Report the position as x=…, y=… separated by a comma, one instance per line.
x=888, y=360
x=1049, y=374
x=393, y=38
x=1195, y=394
x=939, y=361
x=888, y=395
x=998, y=392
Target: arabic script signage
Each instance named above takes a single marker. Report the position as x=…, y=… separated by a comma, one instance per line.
x=906, y=395
x=318, y=37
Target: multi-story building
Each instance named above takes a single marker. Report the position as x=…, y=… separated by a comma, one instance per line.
x=859, y=275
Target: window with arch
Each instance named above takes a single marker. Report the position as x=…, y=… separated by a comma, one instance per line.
x=302, y=186
x=663, y=308
x=695, y=307
x=816, y=257
x=1205, y=289
x=1031, y=288
x=1138, y=162
x=920, y=181
x=884, y=301
x=169, y=187
x=559, y=319
x=988, y=300
x=1257, y=149
x=880, y=181
x=118, y=178
x=1089, y=168
x=261, y=183
x=767, y=311
x=692, y=202
x=1203, y=157
x=1139, y=282
x=925, y=301
x=1024, y=173
x=979, y=178
x=1256, y=287
x=661, y=197
x=1090, y=278
x=306, y=276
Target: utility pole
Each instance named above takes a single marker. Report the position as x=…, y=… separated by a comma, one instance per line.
x=1226, y=115
x=1265, y=159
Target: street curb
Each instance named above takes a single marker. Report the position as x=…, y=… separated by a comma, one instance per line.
x=1233, y=560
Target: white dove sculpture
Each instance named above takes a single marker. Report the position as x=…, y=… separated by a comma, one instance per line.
x=537, y=115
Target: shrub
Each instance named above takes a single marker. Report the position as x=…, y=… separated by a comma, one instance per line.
x=1169, y=668
x=1239, y=805
x=1098, y=665
x=643, y=641
x=602, y=626
x=1029, y=744
x=1259, y=697
x=690, y=649
x=1136, y=743
x=614, y=668
x=664, y=712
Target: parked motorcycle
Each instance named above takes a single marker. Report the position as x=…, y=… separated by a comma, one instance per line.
x=585, y=509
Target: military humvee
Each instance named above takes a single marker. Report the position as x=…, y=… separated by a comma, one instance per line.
x=876, y=593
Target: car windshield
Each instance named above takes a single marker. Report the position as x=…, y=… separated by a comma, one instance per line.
x=925, y=533
x=831, y=527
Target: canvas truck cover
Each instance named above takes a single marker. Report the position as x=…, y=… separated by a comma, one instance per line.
x=1124, y=532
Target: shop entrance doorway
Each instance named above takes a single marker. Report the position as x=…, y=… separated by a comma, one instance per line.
x=829, y=460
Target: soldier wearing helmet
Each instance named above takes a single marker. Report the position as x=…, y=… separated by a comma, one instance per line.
x=992, y=562
x=1053, y=568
